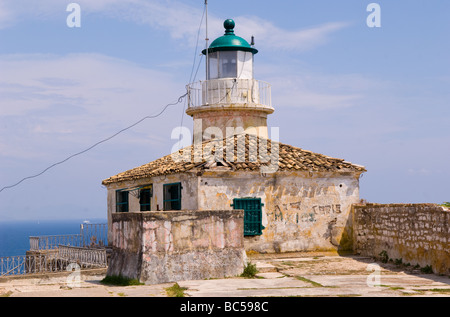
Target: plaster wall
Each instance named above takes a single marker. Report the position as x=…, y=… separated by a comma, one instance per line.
x=302, y=212
x=161, y=247
x=189, y=192
x=215, y=123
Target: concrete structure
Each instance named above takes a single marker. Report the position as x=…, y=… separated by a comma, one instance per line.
x=418, y=234
x=161, y=247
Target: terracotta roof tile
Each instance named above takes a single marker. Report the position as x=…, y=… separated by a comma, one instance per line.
x=289, y=158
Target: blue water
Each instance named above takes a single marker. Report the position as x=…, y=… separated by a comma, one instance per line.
x=14, y=235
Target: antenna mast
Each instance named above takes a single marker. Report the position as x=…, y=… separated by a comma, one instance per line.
x=207, y=48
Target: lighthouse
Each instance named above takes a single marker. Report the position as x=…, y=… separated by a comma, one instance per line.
x=230, y=101
x=303, y=204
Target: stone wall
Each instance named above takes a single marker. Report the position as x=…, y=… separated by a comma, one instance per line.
x=418, y=234
x=169, y=246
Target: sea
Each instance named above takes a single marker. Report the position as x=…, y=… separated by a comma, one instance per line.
x=14, y=235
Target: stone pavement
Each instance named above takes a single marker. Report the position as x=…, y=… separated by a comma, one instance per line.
x=296, y=274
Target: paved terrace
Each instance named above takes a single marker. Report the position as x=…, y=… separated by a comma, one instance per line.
x=296, y=274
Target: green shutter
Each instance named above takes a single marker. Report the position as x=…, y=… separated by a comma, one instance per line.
x=145, y=196
x=172, y=196
x=122, y=201
x=252, y=215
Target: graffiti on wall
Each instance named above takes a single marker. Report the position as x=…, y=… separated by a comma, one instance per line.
x=291, y=212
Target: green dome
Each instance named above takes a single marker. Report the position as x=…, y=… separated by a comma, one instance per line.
x=229, y=41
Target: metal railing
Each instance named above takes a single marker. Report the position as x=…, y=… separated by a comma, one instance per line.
x=53, y=262
x=83, y=256
x=94, y=235
x=12, y=265
x=245, y=92
x=90, y=235
x=53, y=253
x=52, y=242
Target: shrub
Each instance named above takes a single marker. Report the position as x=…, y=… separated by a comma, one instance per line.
x=250, y=270
x=398, y=261
x=384, y=256
x=427, y=269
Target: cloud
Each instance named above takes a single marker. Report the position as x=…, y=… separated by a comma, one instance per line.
x=269, y=36
x=180, y=20
x=319, y=91
x=51, y=103
x=6, y=16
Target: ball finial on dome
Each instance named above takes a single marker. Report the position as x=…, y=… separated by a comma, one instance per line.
x=229, y=26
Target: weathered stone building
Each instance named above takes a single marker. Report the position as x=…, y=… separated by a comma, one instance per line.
x=293, y=199
x=304, y=205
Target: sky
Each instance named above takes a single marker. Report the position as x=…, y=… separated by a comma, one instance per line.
x=374, y=96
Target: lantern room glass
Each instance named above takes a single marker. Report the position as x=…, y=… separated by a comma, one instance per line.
x=213, y=65
x=223, y=64
x=228, y=64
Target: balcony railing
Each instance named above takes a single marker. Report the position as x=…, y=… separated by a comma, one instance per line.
x=51, y=262
x=52, y=242
x=84, y=256
x=243, y=92
x=90, y=235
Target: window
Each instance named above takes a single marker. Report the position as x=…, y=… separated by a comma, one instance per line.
x=252, y=214
x=145, y=196
x=121, y=201
x=213, y=66
x=228, y=64
x=172, y=196
x=222, y=64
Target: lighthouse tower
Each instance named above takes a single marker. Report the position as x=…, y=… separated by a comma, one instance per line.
x=230, y=100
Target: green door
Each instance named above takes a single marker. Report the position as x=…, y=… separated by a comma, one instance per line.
x=252, y=214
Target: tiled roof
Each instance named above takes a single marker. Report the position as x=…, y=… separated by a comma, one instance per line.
x=244, y=158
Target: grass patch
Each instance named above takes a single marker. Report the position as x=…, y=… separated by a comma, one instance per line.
x=304, y=279
x=287, y=263
x=250, y=270
x=440, y=290
x=394, y=288
x=120, y=281
x=175, y=291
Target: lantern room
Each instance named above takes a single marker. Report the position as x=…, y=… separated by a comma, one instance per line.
x=229, y=97
x=230, y=56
